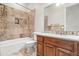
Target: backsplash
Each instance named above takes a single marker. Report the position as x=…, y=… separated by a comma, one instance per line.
x=59, y=29
x=56, y=27
x=15, y=23
x=66, y=32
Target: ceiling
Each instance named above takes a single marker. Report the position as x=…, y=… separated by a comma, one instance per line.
x=34, y=5
x=44, y=5
x=31, y=6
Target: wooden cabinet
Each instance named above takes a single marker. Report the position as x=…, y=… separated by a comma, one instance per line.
x=49, y=46
x=40, y=49
x=40, y=39
x=40, y=46
x=49, y=50
x=78, y=48
x=69, y=45
x=63, y=52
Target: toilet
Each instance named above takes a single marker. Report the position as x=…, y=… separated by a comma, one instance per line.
x=30, y=46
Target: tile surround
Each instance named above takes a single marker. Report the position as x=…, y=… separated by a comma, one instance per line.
x=8, y=28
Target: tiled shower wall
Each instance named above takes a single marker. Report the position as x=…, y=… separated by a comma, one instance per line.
x=15, y=23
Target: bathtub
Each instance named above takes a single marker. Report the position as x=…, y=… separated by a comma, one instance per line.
x=10, y=47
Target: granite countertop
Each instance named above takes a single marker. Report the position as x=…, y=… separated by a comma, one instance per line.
x=64, y=37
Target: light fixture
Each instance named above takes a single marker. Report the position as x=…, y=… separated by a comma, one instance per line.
x=57, y=4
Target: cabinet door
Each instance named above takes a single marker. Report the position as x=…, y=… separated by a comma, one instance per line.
x=40, y=50
x=78, y=48
x=63, y=52
x=49, y=50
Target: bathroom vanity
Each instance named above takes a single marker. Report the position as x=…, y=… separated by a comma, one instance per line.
x=57, y=45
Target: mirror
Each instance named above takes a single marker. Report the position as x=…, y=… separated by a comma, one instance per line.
x=62, y=17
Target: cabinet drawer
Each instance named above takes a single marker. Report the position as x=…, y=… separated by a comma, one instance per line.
x=60, y=43
x=39, y=38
